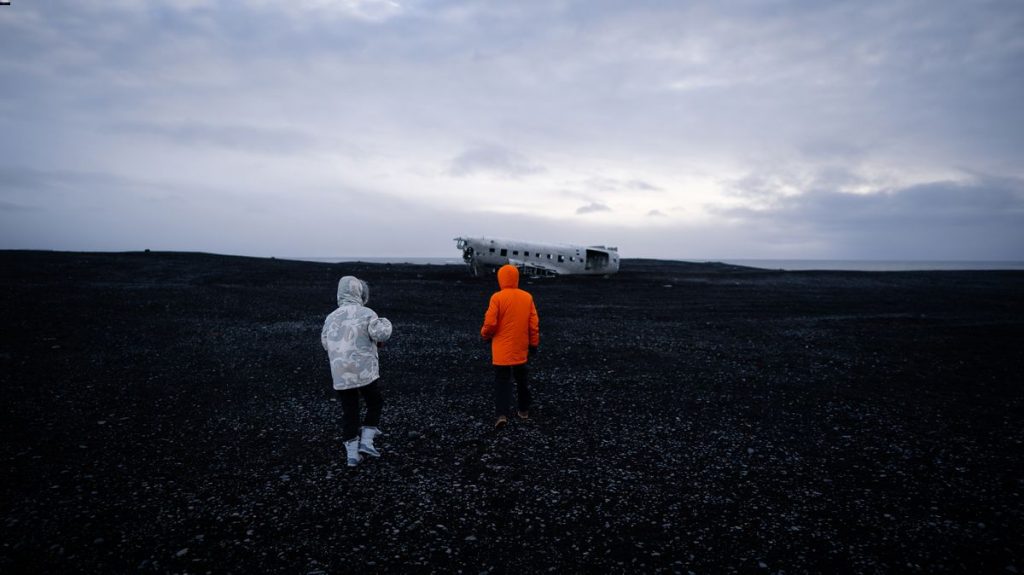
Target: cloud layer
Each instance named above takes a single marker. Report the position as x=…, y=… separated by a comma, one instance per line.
x=874, y=130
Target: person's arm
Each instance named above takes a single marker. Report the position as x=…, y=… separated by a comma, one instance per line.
x=534, y=326
x=379, y=330
x=490, y=326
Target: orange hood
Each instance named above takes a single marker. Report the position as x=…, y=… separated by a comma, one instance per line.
x=508, y=277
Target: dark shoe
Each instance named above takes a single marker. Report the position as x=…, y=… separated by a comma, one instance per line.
x=502, y=422
x=523, y=414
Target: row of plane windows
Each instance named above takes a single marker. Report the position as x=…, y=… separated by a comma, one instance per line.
x=526, y=254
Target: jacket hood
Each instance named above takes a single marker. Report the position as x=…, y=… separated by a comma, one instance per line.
x=508, y=277
x=352, y=290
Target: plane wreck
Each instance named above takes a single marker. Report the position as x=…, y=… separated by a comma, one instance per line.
x=537, y=259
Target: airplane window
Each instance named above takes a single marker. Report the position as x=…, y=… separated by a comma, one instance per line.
x=561, y=258
x=515, y=252
x=526, y=254
x=572, y=259
x=504, y=251
x=492, y=250
x=549, y=256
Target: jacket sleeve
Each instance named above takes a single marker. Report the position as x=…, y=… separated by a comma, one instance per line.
x=534, y=325
x=490, y=320
x=323, y=334
x=379, y=329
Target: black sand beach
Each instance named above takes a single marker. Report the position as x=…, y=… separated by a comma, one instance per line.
x=171, y=412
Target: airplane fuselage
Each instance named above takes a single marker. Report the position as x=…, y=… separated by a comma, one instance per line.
x=535, y=258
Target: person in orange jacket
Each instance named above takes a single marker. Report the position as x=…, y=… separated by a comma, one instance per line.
x=512, y=327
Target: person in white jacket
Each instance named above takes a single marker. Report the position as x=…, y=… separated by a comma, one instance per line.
x=351, y=335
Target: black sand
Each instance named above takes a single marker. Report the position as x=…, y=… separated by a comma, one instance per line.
x=172, y=413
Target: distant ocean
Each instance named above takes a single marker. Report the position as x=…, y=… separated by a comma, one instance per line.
x=789, y=265
x=876, y=265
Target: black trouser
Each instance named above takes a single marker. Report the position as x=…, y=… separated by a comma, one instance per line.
x=350, y=408
x=503, y=375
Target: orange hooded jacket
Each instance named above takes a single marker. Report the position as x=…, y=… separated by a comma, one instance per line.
x=511, y=322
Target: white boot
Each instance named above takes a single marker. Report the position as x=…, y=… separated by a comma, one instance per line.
x=366, y=441
x=352, y=452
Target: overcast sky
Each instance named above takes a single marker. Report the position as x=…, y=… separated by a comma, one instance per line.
x=688, y=130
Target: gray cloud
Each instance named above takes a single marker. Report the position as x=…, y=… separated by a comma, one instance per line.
x=278, y=141
x=593, y=207
x=52, y=188
x=959, y=202
x=495, y=160
x=604, y=184
x=641, y=185
x=777, y=185
x=13, y=207
x=979, y=219
x=100, y=211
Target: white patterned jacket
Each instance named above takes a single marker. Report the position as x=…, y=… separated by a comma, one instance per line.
x=351, y=334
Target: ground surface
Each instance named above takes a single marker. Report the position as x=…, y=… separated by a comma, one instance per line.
x=172, y=413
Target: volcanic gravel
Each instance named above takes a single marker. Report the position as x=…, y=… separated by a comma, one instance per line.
x=167, y=412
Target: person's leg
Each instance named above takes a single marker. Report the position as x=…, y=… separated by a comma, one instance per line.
x=502, y=389
x=350, y=424
x=523, y=398
x=374, y=403
x=349, y=413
